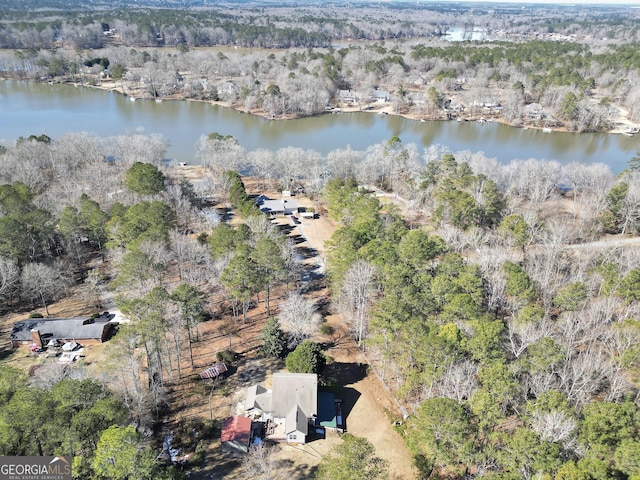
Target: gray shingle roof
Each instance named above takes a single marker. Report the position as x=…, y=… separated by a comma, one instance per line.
x=286, y=206
x=296, y=420
x=258, y=397
x=58, y=328
x=290, y=389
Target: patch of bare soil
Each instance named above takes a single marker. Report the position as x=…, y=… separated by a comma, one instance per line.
x=193, y=173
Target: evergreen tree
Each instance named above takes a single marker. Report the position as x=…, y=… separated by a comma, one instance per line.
x=273, y=338
x=306, y=358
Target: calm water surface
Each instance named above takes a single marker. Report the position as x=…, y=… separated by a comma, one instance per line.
x=33, y=108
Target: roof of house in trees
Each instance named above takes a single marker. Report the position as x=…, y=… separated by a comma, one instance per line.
x=268, y=205
x=291, y=389
x=79, y=328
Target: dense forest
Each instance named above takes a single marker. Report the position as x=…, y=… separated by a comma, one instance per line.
x=514, y=351
x=486, y=296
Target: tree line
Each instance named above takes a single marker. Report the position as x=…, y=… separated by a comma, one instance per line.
x=284, y=26
x=537, y=82
x=78, y=194
x=512, y=350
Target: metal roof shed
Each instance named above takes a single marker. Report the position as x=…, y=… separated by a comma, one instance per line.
x=236, y=434
x=214, y=372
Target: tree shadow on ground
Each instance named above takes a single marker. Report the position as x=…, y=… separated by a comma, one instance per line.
x=349, y=397
x=286, y=230
x=340, y=340
x=305, y=252
x=296, y=471
x=251, y=371
x=218, y=465
x=342, y=373
x=297, y=240
x=337, y=376
x=5, y=353
x=323, y=304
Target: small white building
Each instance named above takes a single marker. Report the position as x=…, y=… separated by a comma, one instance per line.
x=347, y=96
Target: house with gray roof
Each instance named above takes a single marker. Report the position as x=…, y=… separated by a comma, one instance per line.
x=291, y=389
x=380, y=96
x=277, y=207
x=288, y=408
x=42, y=331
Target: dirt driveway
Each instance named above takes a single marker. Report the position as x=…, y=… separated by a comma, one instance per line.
x=365, y=400
x=368, y=404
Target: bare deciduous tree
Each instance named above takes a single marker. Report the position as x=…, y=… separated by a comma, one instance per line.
x=124, y=363
x=136, y=147
x=582, y=376
x=51, y=373
x=299, y=318
x=521, y=335
x=92, y=285
x=356, y=296
x=261, y=464
x=9, y=277
x=459, y=381
x=177, y=327
x=554, y=426
x=191, y=256
x=43, y=283
x=292, y=266
x=220, y=154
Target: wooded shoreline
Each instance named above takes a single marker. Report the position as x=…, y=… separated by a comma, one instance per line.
x=382, y=109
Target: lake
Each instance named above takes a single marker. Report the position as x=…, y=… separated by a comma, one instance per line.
x=33, y=108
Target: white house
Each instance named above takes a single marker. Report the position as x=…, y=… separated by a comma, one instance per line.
x=347, y=96
x=380, y=96
x=296, y=426
x=284, y=206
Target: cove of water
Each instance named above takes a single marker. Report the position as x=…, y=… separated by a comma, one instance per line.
x=34, y=108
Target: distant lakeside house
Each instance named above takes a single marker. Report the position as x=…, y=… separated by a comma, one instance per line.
x=347, y=96
x=380, y=96
x=42, y=331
